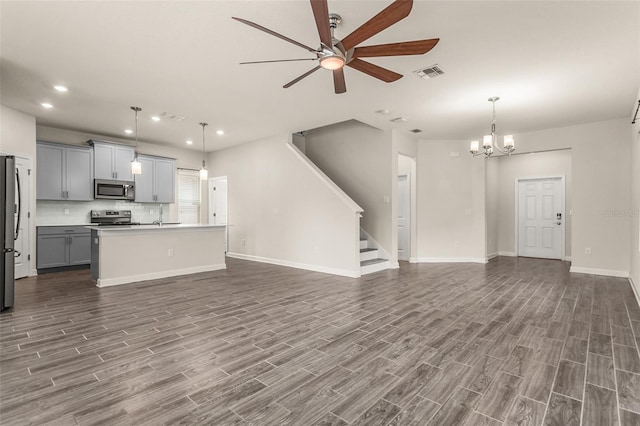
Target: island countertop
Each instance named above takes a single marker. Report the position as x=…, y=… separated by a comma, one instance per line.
x=154, y=227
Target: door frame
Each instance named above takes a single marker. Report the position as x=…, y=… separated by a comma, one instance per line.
x=563, y=186
x=29, y=240
x=410, y=204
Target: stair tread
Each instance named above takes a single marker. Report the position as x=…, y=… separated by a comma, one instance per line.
x=364, y=250
x=372, y=262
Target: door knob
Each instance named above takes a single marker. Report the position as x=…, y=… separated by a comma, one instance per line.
x=558, y=223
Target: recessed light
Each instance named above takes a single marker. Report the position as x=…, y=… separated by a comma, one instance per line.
x=220, y=132
x=46, y=105
x=60, y=88
x=189, y=142
x=128, y=131
x=155, y=118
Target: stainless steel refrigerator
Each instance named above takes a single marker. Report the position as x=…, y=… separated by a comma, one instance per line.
x=10, y=203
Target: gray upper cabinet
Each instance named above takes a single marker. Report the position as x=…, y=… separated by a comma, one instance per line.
x=65, y=172
x=112, y=161
x=156, y=184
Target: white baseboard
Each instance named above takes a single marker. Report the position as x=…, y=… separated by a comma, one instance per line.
x=452, y=260
x=567, y=258
x=107, y=282
x=413, y=260
x=595, y=271
x=315, y=268
x=507, y=253
x=492, y=255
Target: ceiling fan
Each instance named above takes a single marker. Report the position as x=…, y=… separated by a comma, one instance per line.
x=334, y=54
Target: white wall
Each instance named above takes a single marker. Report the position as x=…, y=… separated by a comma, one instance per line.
x=451, y=203
x=541, y=164
x=601, y=174
x=359, y=159
x=492, y=209
x=635, y=203
x=50, y=212
x=283, y=210
x=18, y=137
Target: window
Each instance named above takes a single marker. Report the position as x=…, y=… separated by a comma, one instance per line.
x=188, y=196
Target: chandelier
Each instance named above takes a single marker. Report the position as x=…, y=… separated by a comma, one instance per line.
x=490, y=142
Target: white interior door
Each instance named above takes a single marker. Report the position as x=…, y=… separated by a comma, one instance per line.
x=541, y=218
x=22, y=258
x=404, y=217
x=218, y=199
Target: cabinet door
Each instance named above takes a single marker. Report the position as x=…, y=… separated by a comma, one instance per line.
x=123, y=155
x=52, y=251
x=50, y=180
x=80, y=249
x=144, y=182
x=103, y=161
x=79, y=169
x=164, y=180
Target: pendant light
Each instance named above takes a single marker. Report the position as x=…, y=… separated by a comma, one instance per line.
x=204, y=173
x=136, y=166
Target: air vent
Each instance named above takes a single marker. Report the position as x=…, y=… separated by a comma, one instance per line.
x=172, y=116
x=398, y=120
x=430, y=72
x=415, y=131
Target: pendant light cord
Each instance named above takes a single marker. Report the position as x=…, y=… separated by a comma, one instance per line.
x=203, y=154
x=136, y=109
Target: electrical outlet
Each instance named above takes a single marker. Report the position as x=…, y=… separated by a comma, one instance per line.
x=150, y=211
x=170, y=252
x=66, y=211
x=587, y=250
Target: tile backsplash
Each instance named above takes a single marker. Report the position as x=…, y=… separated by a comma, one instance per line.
x=78, y=212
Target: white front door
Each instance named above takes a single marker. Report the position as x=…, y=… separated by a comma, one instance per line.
x=22, y=263
x=404, y=217
x=541, y=217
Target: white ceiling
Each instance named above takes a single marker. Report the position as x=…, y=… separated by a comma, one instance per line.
x=552, y=63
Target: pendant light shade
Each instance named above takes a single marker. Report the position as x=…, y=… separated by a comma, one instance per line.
x=136, y=166
x=204, y=173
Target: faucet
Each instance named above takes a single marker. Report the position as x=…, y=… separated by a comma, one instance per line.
x=159, y=221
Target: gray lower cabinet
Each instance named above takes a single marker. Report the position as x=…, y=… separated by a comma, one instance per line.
x=63, y=246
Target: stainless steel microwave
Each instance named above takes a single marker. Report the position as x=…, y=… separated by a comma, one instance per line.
x=114, y=190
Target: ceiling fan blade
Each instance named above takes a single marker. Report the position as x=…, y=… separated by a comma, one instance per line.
x=374, y=71
x=338, y=81
x=273, y=33
x=294, y=81
x=278, y=60
x=393, y=13
x=418, y=47
x=321, y=14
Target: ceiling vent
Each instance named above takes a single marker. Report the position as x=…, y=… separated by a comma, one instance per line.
x=415, y=131
x=171, y=116
x=398, y=120
x=430, y=72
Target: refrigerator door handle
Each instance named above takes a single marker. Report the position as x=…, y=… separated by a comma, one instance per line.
x=19, y=205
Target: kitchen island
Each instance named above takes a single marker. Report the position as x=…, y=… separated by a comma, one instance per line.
x=127, y=254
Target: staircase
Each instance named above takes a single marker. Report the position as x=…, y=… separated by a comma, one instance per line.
x=369, y=260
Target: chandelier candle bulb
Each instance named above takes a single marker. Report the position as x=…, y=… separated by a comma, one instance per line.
x=487, y=140
x=475, y=145
x=508, y=141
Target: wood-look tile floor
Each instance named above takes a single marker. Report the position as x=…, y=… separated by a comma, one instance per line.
x=514, y=342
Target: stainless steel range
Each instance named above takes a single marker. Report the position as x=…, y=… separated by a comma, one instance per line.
x=111, y=218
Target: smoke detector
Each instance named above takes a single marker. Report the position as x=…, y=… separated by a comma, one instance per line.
x=398, y=120
x=172, y=116
x=431, y=72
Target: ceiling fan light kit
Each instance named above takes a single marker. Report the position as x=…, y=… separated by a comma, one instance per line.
x=490, y=142
x=334, y=54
